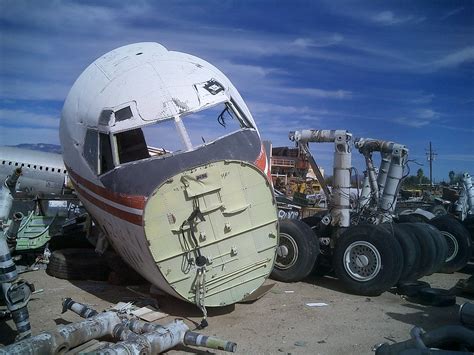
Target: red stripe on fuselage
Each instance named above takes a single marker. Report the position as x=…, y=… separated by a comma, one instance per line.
x=129, y=217
x=132, y=201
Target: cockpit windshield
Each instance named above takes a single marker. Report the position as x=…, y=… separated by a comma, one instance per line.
x=181, y=133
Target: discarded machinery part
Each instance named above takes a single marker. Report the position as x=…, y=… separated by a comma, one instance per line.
x=78, y=308
x=388, y=200
x=441, y=247
x=15, y=292
x=466, y=314
x=196, y=339
x=436, y=297
x=152, y=342
x=367, y=260
x=428, y=247
x=442, y=338
x=66, y=337
x=251, y=216
x=12, y=231
x=77, y=264
x=230, y=174
x=340, y=194
x=297, y=251
x=438, y=210
x=458, y=240
x=10, y=182
x=411, y=288
x=386, y=158
x=8, y=271
x=415, y=273
x=139, y=337
x=7, y=190
x=190, y=338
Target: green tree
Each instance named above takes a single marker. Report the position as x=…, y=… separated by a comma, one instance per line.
x=452, y=174
x=420, y=175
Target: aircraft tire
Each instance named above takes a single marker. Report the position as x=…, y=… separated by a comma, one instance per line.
x=458, y=241
x=411, y=218
x=410, y=248
x=300, y=247
x=77, y=264
x=368, y=260
x=411, y=288
x=416, y=270
x=428, y=248
x=441, y=247
x=436, y=297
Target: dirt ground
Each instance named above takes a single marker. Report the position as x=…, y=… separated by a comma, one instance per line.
x=278, y=323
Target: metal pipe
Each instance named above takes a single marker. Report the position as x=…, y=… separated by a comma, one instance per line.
x=12, y=232
x=66, y=336
x=342, y=179
x=10, y=182
x=388, y=199
x=372, y=175
x=383, y=170
x=78, y=308
x=153, y=342
x=365, y=192
x=196, y=339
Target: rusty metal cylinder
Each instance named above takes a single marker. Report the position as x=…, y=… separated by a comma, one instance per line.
x=196, y=339
x=66, y=337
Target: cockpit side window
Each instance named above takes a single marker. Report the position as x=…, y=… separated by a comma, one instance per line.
x=131, y=146
x=91, y=149
x=106, y=158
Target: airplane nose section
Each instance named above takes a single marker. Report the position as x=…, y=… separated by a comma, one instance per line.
x=212, y=231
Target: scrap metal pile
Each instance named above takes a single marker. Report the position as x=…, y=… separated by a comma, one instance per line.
x=367, y=246
x=124, y=336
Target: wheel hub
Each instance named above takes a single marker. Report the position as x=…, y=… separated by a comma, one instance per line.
x=287, y=252
x=453, y=246
x=362, y=261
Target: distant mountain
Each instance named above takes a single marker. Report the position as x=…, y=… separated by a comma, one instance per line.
x=50, y=148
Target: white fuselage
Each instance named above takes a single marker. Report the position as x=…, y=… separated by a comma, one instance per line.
x=42, y=172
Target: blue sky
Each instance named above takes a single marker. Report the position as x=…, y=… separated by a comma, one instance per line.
x=400, y=71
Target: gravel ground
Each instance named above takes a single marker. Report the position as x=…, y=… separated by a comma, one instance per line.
x=278, y=323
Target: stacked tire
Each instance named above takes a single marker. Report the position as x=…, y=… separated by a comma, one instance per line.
x=458, y=240
x=370, y=259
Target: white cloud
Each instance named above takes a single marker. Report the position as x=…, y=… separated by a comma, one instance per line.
x=18, y=118
x=455, y=59
x=388, y=18
x=452, y=12
x=419, y=118
x=318, y=41
x=319, y=93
